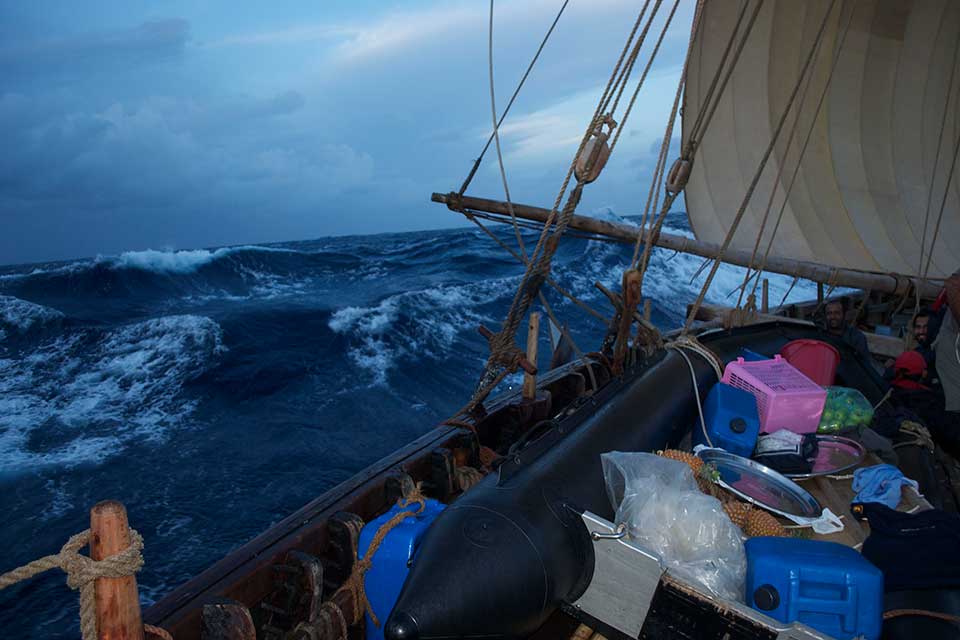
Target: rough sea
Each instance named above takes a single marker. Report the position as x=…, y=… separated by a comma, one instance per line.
x=215, y=391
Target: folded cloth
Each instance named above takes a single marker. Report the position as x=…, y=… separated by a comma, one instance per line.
x=880, y=483
x=787, y=452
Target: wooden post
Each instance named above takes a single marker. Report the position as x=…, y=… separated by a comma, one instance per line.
x=530, y=379
x=819, y=292
x=647, y=309
x=765, y=300
x=117, y=603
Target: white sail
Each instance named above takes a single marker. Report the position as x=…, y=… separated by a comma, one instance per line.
x=860, y=197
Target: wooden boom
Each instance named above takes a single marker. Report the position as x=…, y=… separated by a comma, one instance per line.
x=877, y=282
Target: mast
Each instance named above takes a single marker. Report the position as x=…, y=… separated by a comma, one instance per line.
x=877, y=282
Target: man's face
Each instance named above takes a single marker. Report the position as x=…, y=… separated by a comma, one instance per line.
x=920, y=329
x=834, y=316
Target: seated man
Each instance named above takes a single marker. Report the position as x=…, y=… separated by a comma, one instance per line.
x=923, y=337
x=835, y=316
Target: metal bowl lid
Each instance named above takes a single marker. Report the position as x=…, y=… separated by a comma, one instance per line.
x=835, y=454
x=761, y=485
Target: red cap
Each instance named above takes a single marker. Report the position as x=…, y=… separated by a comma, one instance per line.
x=909, y=364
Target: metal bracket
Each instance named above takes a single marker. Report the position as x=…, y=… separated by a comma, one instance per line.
x=797, y=631
x=625, y=578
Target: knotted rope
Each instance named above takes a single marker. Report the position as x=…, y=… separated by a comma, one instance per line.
x=467, y=477
x=920, y=435
x=331, y=617
x=82, y=571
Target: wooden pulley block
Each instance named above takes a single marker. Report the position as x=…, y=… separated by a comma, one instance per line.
x=593, y=158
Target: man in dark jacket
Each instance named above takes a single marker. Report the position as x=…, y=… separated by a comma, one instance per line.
x=835, y=317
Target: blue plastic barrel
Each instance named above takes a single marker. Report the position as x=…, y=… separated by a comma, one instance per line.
x=392, y=560
x=732, y=420
x=825, y=585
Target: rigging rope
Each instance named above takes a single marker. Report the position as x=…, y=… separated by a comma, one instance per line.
x=504, y=354
x=628, y=68
x=496, y=137
x=516, y=92
x=646, y=70
x=776, y=182
x=662, y=159
x=943, y=204
x=704, y=117
x=763, y=162
x=803, y=148
x=705, y=122
x=936, y=164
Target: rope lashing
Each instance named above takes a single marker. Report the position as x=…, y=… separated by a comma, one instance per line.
x=920, y=434
x=467, y=477
x=331, y=614
x=82, y=571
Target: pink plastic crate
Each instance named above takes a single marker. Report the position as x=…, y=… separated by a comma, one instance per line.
x=786, y=399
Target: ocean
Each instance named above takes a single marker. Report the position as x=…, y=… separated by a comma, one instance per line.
x=215, y=391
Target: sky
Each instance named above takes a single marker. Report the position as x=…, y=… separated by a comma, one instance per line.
x=129, y=125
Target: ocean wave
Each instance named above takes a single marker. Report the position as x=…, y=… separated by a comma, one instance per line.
x=184, y=261
x=22, y=316
x=81, y=397
x=406, y=327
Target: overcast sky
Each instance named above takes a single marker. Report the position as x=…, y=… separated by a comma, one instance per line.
x=130, y=124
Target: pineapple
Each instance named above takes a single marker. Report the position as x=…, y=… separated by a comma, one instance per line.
x=754, y=522
x=738, y=512
x=682, y=456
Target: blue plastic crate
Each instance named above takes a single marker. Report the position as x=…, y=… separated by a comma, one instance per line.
x=825, y=585
x=392, y=560
x=752, y=356
x=732, y=420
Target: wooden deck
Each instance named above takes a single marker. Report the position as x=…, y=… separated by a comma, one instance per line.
x=836, y=493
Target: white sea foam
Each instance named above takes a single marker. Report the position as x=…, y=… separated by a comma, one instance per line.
x=432, y=320
x=186, y=261
x=83, y=396
x=20, y=315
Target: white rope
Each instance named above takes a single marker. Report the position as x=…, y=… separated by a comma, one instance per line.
x=496, y=137
x=693, y=345
x=696, y=392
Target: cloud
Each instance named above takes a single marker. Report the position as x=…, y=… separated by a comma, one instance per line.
x=194, y=132
x=149, y=41
x=158, y=153
x=285, y=36
x=395, y=31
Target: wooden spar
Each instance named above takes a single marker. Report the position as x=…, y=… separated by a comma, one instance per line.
x=117, y=603
x=765, y=304
x=878, y=282
x=530, y=379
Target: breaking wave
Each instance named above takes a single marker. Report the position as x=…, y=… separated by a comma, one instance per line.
x=80, y=397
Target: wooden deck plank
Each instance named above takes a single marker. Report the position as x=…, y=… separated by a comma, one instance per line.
x=836, y=494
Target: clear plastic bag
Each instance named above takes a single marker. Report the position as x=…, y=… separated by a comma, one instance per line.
x=664, y=512
x=844, y=410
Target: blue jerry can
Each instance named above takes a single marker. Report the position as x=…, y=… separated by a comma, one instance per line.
x=732, y=420
x=392, y=560
x=825, y=585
